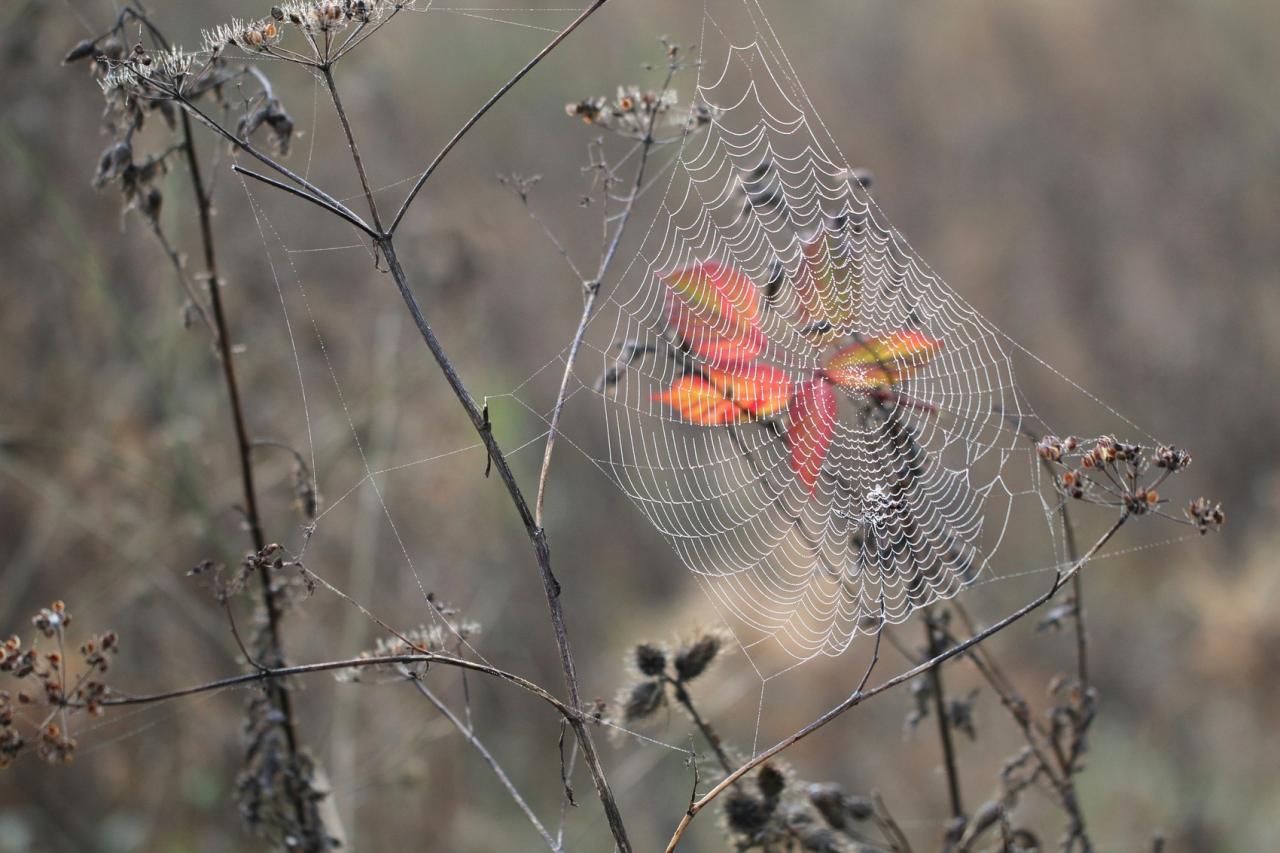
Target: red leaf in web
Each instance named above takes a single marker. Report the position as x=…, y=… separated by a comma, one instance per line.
x=810, y=427
x=715, y=310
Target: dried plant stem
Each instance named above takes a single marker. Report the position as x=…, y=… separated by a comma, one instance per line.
x=859, y=696
x=591, y=292
x=326, y=71
x=708, y=733
x=487, y=756
x=278, y=695
x=487, y=105
x=936, y=644
x=889, y=825
x=1077, y=592
x=279, y=672
x=537, y=536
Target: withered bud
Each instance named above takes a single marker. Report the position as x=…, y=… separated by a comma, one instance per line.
x=650, y=659
x=1049, y=448
x=277, y=13
x=744, y=814
x=645, y=698
x=1205, y=515
x=1171, y=458
x=771, y=781
x=82, y=50
x=693, y=660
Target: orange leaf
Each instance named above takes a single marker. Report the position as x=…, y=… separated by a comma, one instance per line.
x=719, y=397
x=699, y=402
x=715, y=310
x=811, y=426
x=881, y=362
x=759, y=389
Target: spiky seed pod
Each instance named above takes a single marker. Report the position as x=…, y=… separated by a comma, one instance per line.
x=645, y=698
x=82, y=50
x=744, y=814
x=693, y=660
x=650, y=659
x=771, y=781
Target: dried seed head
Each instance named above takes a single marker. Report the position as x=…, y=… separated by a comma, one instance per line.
x=1171, y=458
x=771, y=781
x=644, y=698
x=1205, y=515
x=82, y=50
x=1049, y=448
x=693, y=659
x=744, y=814
x=650, y=659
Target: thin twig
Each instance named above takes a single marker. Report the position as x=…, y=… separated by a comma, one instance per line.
x=280, y=672
x=302, y=194
x=326, y=72
x=497, y=96
x=708, y=733
x=537, y=536
x=484, y=754
x=592, y=291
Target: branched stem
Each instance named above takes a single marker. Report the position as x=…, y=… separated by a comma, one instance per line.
x=279, y=696
x=479, y=114
x=592, y=291
x=537, y=536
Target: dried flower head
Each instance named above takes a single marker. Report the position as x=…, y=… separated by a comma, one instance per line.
x=650, y=659
x=1205, y=515
x=642, y=700
x=692, y=659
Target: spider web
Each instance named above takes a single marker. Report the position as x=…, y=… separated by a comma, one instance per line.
x=912, y=499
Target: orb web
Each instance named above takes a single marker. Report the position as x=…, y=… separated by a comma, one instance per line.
x=812, y=510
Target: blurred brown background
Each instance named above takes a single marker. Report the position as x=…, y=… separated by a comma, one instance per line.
x=1102, y=180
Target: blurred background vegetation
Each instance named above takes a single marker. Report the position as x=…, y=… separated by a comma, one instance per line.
x=1101, y=180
